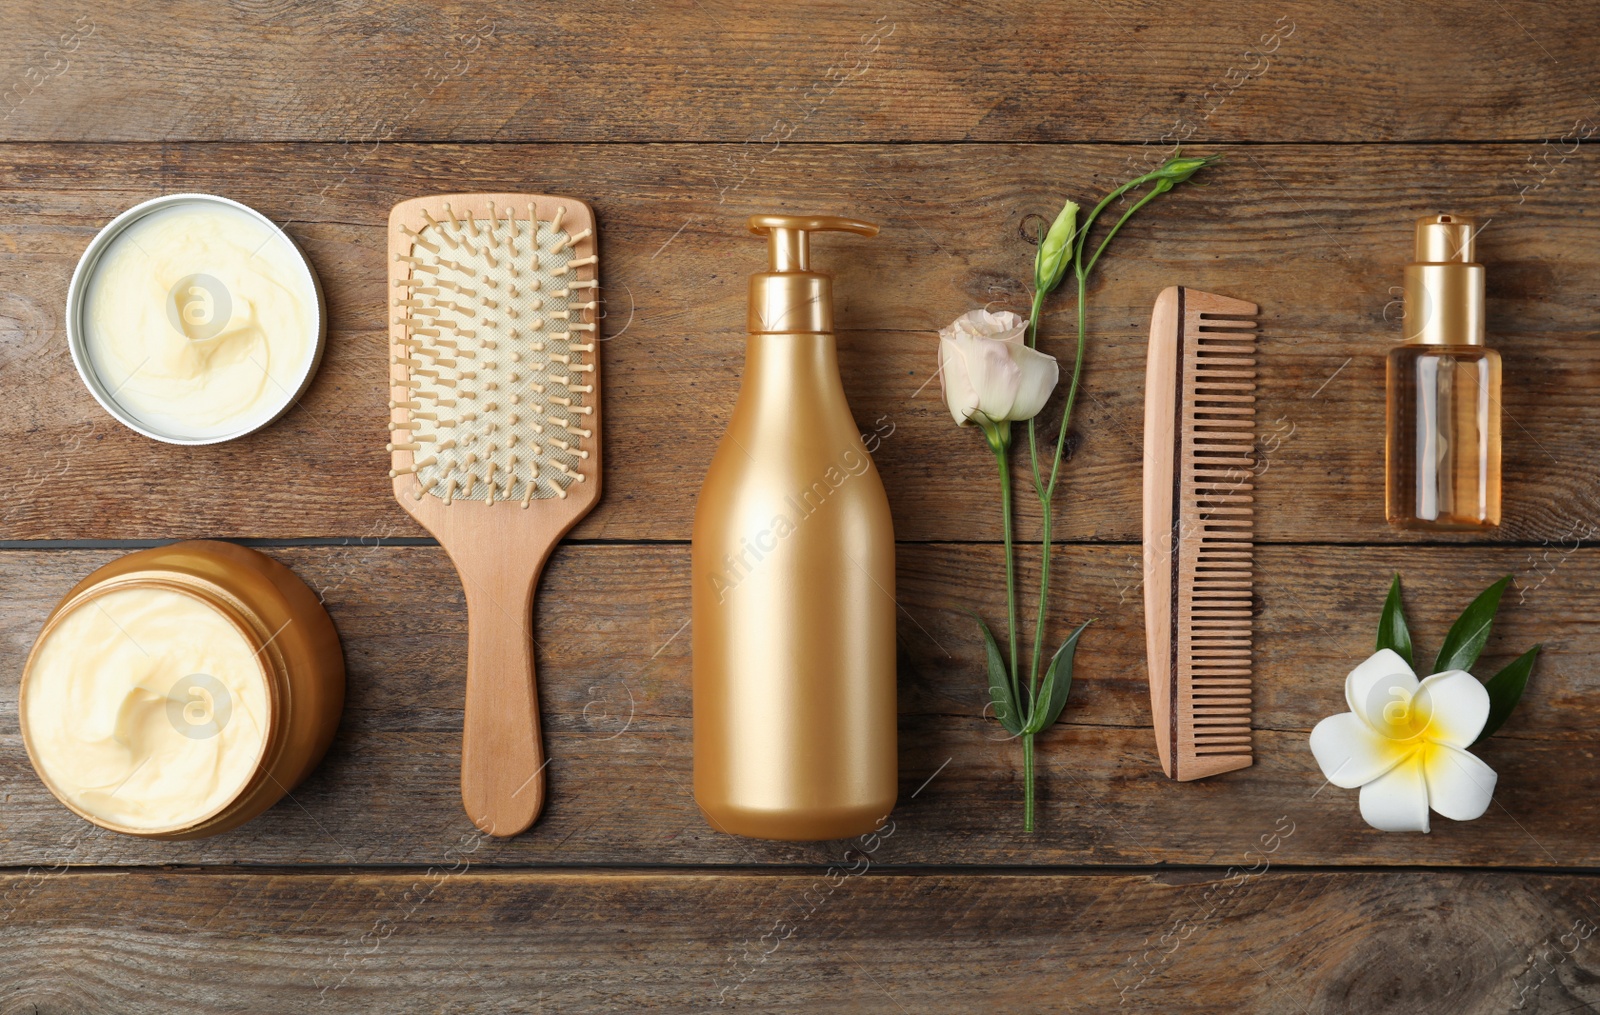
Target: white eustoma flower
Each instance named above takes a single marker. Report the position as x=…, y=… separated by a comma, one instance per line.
x=988, y=373
x=1404, y=743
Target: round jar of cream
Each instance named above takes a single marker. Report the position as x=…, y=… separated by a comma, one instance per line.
x=180, y=691
x=194, y=319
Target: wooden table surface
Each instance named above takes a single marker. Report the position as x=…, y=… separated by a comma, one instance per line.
x=952, y=125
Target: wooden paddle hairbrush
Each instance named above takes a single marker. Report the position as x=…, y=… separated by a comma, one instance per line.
x=1199, y=439
x=495, y=426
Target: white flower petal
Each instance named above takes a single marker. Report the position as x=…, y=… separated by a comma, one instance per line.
x=1350, y=752
x=1398, y=800
x=1456, y=704
x=1003, y=326
x=994, y=375
x=1460, y=785
x=955, y=382
x=1038, y=375
x=1015, y=331
x=1370, y=686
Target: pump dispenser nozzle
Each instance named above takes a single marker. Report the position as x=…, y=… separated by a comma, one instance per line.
x=790, y=298
x=1444, y=285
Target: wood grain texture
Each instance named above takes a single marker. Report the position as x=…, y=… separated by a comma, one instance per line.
x=1340, y=123
x=612, y=644
x=755, y=74
x=1317, y=238
x=454, y=939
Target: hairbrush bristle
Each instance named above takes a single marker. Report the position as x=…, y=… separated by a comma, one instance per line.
x=497, y=351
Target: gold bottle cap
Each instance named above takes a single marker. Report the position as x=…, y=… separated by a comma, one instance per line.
x=1444, y=285
x=790, y=298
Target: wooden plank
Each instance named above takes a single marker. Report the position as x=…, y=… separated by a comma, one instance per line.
x=1318, y=239
x=760, y=74
x=613, y=654
x=453, y=938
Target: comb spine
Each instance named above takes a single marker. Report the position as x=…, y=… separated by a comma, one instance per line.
x=1163, y=382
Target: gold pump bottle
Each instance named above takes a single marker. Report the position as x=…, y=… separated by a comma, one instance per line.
x=1443, y=444
x=793, y=579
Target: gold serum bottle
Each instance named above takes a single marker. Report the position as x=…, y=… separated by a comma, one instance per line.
x=1444, y=390
x=793, y=579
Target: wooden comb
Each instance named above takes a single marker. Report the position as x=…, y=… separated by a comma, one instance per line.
x=495, y=417
x=1199, y=440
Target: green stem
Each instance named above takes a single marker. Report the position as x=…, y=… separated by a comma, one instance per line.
x=1001, y=448
x=1027, y=782
x=1044, y=599
x=1046, y=492
x=1155, y=192
x=1047, y=495
x=1032, y=338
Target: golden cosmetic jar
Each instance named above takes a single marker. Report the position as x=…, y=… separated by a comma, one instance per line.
x=180, y=691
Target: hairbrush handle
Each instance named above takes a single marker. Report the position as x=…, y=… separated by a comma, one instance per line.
x=502, y=754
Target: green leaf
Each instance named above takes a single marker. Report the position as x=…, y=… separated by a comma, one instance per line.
x=1057, y=682
x=999, y=683
x=1471, y=630
x=1505, y=690
x=1392, y=630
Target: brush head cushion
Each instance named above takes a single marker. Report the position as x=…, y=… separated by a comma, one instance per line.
x=496, y=353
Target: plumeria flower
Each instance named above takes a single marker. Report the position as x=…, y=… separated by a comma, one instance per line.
x=989, y=375
x=1404, y=743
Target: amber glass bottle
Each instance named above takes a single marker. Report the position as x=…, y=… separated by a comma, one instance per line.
x=1443, y=444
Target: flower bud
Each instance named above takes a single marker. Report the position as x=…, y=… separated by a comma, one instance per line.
x=1055, y=250
x=1178, y=170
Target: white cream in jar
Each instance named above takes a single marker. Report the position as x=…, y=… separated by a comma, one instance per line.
x=146, y=708
x=199, y=320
